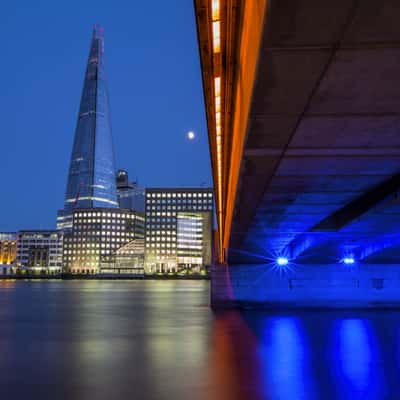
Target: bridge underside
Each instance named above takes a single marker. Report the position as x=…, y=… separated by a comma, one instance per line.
x=318, y=178
x=318, y=144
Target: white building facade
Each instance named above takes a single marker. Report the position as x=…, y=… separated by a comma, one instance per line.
x=40, y=251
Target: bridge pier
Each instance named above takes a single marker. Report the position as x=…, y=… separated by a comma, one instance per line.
x=305, y=286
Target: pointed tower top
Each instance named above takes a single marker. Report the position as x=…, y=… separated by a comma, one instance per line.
x=98, y=31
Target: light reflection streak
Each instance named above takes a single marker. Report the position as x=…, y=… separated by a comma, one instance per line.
x=354, y=352
x=285, y=359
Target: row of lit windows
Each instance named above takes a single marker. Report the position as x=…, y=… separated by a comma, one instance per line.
x=161, y=239
x=104, y=215
x=174, y=209
x=82, y=245
x=90, y=251
x=156, y=233
x=81, y=236
x=94, y=240
x=164, y=219
x=167, y=213
x=88, y=245
x=181, y=208
x=163, y=251
x=82, y=259
x=98, y=221
x=89, y=229
x=102, y=227
x=190, y=260
x=50, y=261
x=161, y=245
x=32, y=246
x=186, y=194
x=178, y=201
x=159, y=226
x=39, y=242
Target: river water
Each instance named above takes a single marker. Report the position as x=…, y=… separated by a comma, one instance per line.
x=160, y=340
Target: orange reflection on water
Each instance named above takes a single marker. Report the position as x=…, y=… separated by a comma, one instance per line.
x=234, y=365
x=7, y=283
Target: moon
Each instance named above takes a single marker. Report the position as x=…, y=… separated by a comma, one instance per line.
x=191, y=135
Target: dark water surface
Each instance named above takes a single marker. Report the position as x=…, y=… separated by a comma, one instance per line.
x=160, y=340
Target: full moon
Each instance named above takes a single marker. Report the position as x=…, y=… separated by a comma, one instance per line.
x=190, y=135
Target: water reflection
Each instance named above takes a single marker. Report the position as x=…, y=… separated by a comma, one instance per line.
x=286, y=360
x=354, y=352
x=160, y=340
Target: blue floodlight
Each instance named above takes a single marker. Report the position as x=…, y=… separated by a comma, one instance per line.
x=282, y=261
x=348, y=260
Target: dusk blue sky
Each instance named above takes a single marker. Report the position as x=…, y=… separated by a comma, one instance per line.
x=154, y=80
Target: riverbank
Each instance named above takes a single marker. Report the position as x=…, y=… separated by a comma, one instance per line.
x=103, y=277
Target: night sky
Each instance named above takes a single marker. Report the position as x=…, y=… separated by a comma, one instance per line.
x=154, y=81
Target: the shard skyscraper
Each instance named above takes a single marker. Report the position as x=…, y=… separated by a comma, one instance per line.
x=91, y=177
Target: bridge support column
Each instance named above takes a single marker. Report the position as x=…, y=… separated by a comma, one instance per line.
x=306, y=286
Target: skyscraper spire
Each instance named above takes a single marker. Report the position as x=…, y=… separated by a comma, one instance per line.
x=91, y=177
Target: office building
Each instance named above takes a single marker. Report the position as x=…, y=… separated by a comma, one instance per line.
x=40, y=251
x=178, y=230
x=130, y=194
x=91, y=176
x=97, y=233
x=8, y=251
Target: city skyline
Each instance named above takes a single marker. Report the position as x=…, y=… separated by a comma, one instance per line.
x=152, y=108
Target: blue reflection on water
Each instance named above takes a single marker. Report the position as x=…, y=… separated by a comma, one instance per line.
x=326, y=354
x=284, y=356
x=355, y=351
x=356, y=359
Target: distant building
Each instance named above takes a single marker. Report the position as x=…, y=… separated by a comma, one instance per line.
x=179, y=225
x=8, y=250
x=97, y=233
x=40, y=250
x=130, y=194
x=91, y=175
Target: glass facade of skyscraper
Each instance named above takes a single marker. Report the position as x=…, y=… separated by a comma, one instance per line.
x=91, y=177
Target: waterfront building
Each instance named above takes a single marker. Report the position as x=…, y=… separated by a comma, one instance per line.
x=128, y=259
x=97, y=233
x=130, y=194
x=8, y=251
x=178, y=229
x=91, y=175
x=40, y=251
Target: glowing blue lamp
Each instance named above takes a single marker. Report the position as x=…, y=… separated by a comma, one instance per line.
x=348, y=260
x=282, y=261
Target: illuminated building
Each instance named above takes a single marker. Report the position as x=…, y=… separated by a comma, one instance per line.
x=178, y=229
x=97, y=233
x=91, y=177
x=130, y=194
x=8, y=249
x=128, y=259
x=40, y=250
